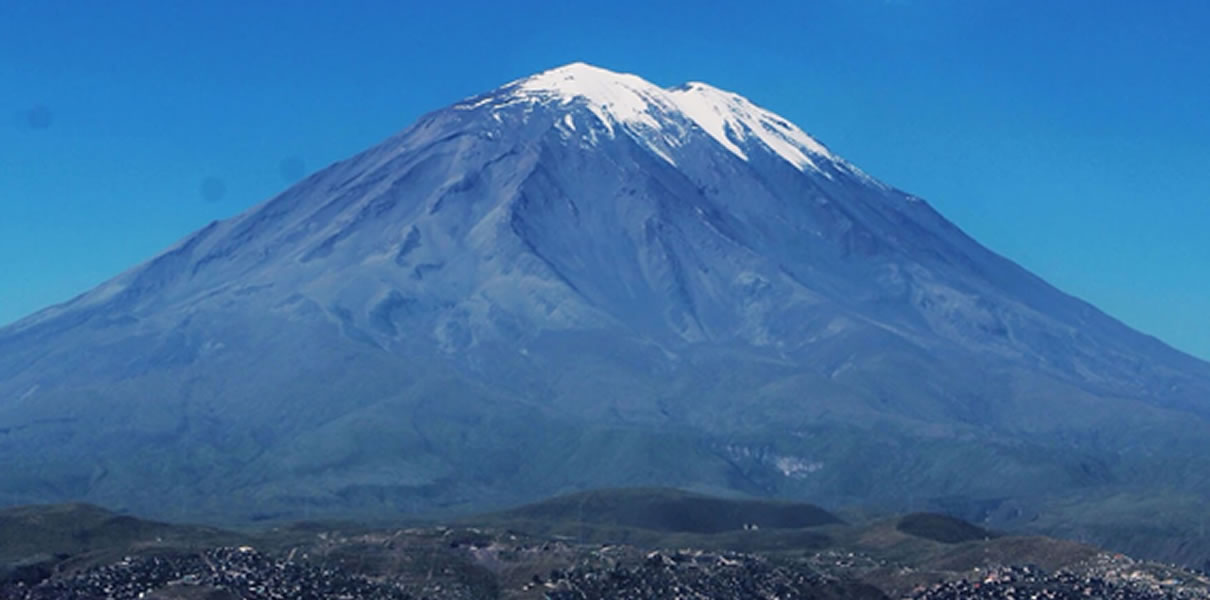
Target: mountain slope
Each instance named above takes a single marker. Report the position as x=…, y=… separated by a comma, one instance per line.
x=583, y=280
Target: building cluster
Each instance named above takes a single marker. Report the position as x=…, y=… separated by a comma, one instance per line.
x=448, y=564
x=682, y=576
x=1031, y=583
x=242, y=572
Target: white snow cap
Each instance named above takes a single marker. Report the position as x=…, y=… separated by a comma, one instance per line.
x=613, y=97
x=622, y=99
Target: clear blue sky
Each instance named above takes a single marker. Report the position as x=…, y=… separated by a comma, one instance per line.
x=1072, y=136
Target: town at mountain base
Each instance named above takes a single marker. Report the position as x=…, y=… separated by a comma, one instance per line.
x=635, y=544
x=582, y=280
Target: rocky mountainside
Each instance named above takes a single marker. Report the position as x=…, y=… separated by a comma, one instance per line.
x=581, y=279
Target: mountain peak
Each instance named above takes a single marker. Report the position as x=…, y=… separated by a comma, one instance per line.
x=579, y=77
x=615, y=98
x=629, y=101
x=756, y=315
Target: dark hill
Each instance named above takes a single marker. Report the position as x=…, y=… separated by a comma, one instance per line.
x=77, y=528
x=941, y=528
x=34, y=540
x=669, y=510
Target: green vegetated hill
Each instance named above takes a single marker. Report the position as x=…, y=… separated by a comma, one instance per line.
x=659, y=517
x=941, y=528
x=670, y=510
x=36, y=541
x=74, y=529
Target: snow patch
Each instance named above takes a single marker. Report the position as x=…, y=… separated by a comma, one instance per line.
x=30, y=392
x=796, y=468
x=720, y=113
x=473, y=104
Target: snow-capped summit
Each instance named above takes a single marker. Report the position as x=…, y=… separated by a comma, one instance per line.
x=621, y=96
x=661, y=117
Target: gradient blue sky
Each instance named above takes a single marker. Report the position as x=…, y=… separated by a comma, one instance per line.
x=1071, y=136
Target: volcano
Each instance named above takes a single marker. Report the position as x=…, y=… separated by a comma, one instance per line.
x=578, y=280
